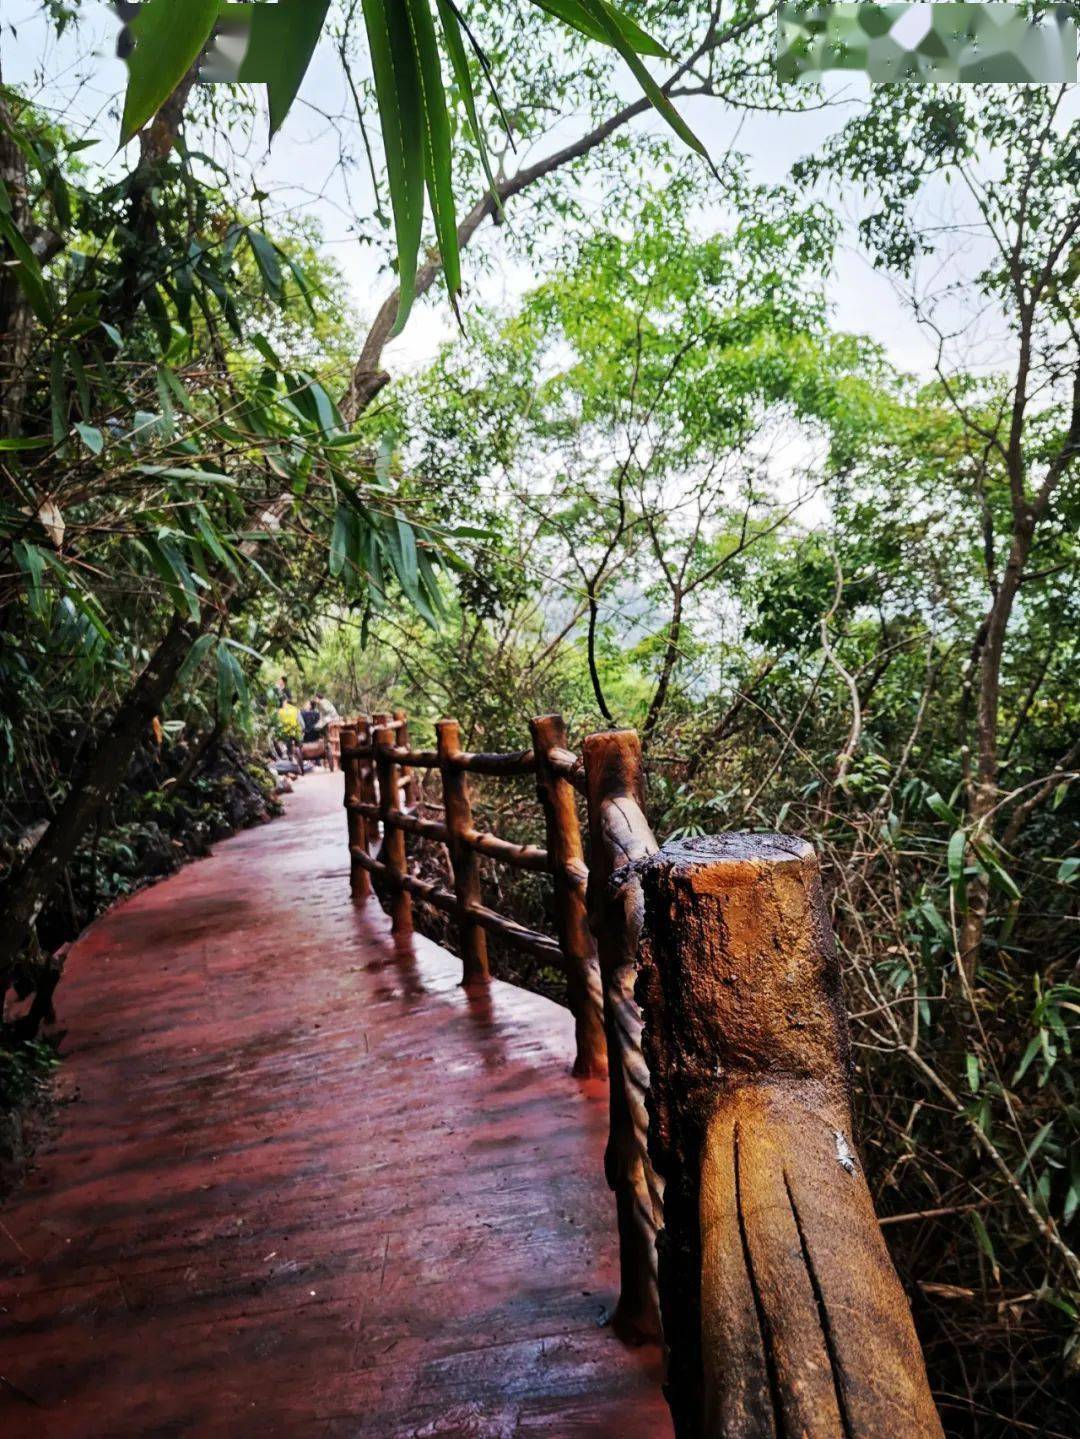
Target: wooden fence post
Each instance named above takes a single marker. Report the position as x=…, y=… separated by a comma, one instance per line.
x=393, y=853
x=782, y=1311
x=408, y=776
x=359, y=878
x=333, y=746
x=463, y=859
x=369, y=792
x=618, y=835
x=566, y=854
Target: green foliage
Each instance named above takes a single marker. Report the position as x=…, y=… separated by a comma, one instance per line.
x=417, y=115
x=617, y=436
x=25, y=1070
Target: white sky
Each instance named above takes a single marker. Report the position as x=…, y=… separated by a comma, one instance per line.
x=302, y=171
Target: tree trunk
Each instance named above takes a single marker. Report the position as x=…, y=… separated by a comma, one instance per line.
x=984, y=794
x=26, y=889
x=16, y=317
x=667, y=669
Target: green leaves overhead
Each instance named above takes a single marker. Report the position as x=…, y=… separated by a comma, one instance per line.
x=168, y=38
x=416, y=114
x=581, y=15
x=397, y=89
x=281, y=42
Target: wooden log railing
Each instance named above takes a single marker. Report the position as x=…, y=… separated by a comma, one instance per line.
x=381, y=797
x=712, y=997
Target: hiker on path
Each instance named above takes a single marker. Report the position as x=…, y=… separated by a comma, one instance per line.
x=312, y=721
x=327, y=710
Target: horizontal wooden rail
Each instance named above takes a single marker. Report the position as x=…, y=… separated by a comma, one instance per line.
x=418, y=758
x=532, y=940
x=500, y=765
x=380, y=746
x=506, y=851
x=569, y=767
x=518, y=856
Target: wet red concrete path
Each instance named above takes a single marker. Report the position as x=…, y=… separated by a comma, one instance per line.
x=308, y=1188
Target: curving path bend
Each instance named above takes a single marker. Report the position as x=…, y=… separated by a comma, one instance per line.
x=308, y=1187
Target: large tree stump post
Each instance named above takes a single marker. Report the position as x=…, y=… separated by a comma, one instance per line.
x=463, y=858
x=393, y=846
x=359, y=878
x=566, y=855
x=782, y=1311
x=619, y=836
x=409, y=794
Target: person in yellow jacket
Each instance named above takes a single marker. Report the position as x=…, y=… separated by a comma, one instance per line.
x=287, y=721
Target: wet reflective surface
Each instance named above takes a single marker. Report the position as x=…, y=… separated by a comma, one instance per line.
x=309, y=1186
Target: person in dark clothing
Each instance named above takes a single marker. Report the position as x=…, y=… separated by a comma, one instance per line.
x=312, y=719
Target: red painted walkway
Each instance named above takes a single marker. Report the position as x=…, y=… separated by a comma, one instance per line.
x=308, y=1188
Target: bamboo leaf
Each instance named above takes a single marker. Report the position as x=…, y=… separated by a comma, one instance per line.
x=340, y=538
x=168, y=38
x=266, y=258
x=281, y=42
x=459, y=61
x=397, y=90
x=31, y=561
x=195, y=657
x=438, y=166
x=91, y=437
x=407, y=549
x=40, y=442
x=957, y=849
x=602, y=16
x=57, y=397
x=28, y=272
x=575, y=14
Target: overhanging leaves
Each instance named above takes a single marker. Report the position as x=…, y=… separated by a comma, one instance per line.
x=168, y=38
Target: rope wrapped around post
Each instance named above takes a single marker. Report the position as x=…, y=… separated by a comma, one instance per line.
x=619, y=838
x=783, y=1314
